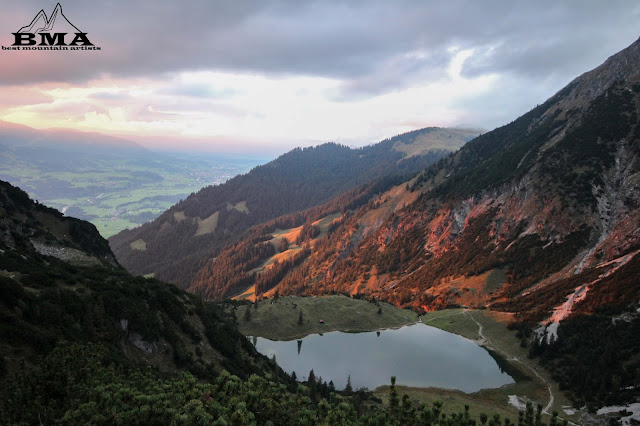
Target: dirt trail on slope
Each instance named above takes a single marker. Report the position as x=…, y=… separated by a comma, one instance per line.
x=486, y=342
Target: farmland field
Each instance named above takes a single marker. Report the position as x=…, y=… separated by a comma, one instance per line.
x=115, y=195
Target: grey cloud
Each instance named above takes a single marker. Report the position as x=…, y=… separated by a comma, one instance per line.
x=545, y=40
x=74, y=111
x=194, y=106
x=147, y=114
x=395, y=74
x=359, y=43
x=514, y=97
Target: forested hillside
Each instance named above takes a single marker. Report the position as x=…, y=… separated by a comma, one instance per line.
x=234, y=270
x=176, y=245
x=546, y=198
x=59, y=282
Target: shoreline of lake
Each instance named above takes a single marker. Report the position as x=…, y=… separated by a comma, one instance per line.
x=419, y=356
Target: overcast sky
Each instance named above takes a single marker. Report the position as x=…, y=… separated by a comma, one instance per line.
x=272, y=75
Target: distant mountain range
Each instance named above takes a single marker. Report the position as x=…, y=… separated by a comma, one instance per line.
x=179, y=243
x=63, y=145
x=112, y=182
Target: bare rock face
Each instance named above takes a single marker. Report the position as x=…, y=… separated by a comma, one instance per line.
x=623, y=66
x=30, y=227
x=66, y=254
x=140, y=343
x=136, y=339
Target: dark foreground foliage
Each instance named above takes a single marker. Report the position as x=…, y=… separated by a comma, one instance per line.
x=78, y=384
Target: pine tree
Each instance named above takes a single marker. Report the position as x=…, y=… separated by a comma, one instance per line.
x=300, y=318
x=394, y=400
x=283, y=245
x=348, y=390
x=483, y=418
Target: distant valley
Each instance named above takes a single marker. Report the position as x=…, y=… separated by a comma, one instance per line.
x=111, y=182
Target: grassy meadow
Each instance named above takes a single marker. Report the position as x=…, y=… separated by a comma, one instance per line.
x=278, y=319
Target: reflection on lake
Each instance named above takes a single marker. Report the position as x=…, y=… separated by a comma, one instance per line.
x=418, y=355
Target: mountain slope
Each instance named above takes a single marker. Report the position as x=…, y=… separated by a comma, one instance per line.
x=556, y=191
x=178, y=243
x=539, y=218
x=60, y=282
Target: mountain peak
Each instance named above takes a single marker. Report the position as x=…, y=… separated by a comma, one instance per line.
x=624, y=65
x=421, y=142
x=9, y=125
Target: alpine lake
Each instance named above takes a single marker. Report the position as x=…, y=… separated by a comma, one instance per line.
x=417, y=355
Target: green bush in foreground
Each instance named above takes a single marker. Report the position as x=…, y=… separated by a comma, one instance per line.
x=76, y=384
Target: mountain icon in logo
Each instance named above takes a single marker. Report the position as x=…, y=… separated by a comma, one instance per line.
x=56, y=23
x=51, y=33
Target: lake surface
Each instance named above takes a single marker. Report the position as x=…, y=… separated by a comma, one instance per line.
x=418, y=355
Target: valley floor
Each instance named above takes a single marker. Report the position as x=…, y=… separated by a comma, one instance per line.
x=279, y=320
